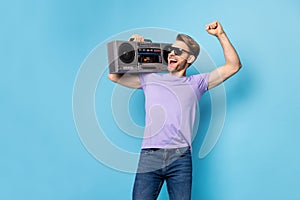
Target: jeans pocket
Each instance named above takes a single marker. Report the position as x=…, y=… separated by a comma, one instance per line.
x=147, y=151
x=150, y=160
x=185, y=151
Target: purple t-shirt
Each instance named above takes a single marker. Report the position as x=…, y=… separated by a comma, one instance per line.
x=171, y=103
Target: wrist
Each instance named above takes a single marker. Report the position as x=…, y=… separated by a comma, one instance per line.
x=221, y=34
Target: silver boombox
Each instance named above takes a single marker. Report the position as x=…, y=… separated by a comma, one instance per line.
x=134, y=57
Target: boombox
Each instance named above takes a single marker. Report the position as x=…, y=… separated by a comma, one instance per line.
x=134, y=57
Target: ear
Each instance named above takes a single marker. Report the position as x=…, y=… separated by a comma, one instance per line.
x=191, y=59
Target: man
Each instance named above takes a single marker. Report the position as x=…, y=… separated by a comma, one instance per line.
x=171, y=101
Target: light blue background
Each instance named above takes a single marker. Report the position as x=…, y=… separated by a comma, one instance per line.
x=43, y=44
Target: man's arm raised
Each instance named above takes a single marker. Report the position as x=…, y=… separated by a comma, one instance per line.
x=232, y=61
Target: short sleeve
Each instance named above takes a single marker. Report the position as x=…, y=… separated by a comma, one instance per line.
x=142, y=80
x=144, y=77
x=202, y=82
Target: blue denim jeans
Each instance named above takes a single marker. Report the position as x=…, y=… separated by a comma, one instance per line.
x=158, y=165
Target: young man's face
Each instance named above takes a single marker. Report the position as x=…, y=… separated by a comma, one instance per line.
x=177, y=60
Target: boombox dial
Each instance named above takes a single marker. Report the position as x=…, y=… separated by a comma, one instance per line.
x=166, y=52
x=137, y=57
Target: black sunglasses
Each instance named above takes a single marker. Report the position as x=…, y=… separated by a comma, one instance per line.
x=177, y=51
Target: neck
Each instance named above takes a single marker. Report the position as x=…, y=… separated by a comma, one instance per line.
x=181, y=72
x=178, y=73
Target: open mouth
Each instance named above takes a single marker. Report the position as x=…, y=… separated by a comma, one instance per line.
x=172, y=61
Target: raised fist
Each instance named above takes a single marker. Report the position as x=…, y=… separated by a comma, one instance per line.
x=214, y=28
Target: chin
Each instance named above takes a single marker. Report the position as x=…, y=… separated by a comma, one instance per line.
x=171, y=69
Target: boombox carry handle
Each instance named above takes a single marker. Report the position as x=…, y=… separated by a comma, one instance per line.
x=148, y=40
x=145, y=40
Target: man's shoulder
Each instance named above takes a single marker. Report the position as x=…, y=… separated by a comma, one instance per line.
x=201, y=80
x=151, y=75
x=198, y=77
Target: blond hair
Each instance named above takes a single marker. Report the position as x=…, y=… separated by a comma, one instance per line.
x=190, y=42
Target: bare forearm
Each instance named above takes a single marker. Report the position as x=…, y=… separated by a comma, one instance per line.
x=128, y=80
x=230, y=54
x=115, y=77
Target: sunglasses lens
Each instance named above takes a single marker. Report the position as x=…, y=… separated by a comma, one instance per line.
x=177, y=51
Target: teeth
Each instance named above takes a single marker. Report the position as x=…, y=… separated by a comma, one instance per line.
x=172, y=59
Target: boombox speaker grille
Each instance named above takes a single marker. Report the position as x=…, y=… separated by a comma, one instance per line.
x=126, y=53
x=166, y=53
